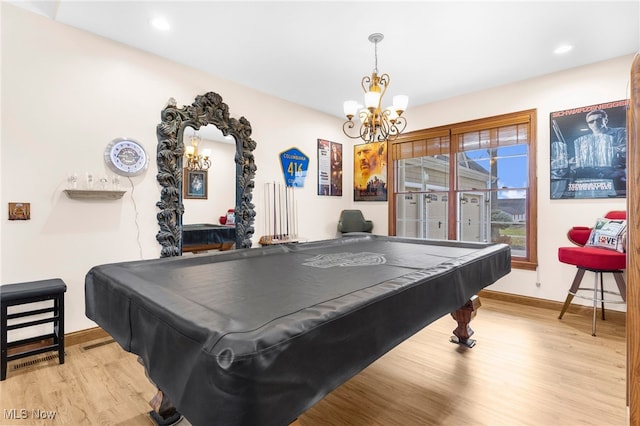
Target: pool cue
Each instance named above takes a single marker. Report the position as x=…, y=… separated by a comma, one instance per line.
x=267, y=210
x=292, y=211
x=296, y=218
x=293, y=214
x=280, y=235
x=274, y=210
x=286, y=207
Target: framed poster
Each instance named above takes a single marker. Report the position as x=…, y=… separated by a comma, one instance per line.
x=329, y=168
x=195, y=184
x=588, y=151
x=370, y=172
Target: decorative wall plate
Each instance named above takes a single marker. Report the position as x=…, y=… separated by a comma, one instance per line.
x=126, y=157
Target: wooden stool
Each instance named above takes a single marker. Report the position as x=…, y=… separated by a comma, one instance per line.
x=30, y=292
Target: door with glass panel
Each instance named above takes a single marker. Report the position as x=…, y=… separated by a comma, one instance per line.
x=471, y=217
x=422, y=197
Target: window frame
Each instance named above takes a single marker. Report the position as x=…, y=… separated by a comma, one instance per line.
x=426, y=142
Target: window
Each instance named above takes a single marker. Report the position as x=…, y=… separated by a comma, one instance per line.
x=472, y=181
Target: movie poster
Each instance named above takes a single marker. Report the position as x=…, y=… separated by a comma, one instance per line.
x=589, y=151
x=370, y=172
x=329, y=168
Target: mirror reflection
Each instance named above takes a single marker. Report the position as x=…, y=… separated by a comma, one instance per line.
x=207, y=222
x=221, y=191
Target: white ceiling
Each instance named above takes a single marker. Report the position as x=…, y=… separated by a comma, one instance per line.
x=315, y=53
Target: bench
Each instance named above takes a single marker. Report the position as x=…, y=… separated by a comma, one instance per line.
x=30, y=292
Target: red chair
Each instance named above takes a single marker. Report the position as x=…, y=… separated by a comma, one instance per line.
x=594, y=259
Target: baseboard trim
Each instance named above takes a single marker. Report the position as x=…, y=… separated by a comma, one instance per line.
x=617, y=316
x=84, y=336
x=70, y=339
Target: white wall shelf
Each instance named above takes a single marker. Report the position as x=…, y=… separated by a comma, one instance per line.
x=90, y=194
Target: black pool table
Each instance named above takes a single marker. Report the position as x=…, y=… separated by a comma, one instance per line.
x=257, y=336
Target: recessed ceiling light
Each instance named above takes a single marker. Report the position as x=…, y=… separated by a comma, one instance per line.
x=563, y=48
x=161, y=24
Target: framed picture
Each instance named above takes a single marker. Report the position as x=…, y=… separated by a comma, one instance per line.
x=329, y=168
x=19, y=211
x=195, y=184
x=588, y=151
x=370, y=172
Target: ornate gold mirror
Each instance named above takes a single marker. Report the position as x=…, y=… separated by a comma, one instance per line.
x=206, y=109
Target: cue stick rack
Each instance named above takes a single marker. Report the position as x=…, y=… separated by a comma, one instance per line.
x=281, y=215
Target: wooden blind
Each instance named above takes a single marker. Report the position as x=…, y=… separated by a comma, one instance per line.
x=493, y=132
x=421, y=148
x=493, y=137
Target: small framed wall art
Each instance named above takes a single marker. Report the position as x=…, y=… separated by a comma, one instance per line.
x=19, y=211
x=195, y=184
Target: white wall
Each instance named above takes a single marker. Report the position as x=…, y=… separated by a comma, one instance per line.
x=66, y=94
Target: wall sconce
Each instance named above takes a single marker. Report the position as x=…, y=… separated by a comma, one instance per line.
x=195, y=160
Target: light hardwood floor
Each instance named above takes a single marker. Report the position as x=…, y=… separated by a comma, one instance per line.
x=528, y=368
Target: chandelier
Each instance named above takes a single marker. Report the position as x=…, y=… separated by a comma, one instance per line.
x=196, y=161
x=376, y=124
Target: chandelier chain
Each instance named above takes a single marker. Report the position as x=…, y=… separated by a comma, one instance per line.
x=375, y=48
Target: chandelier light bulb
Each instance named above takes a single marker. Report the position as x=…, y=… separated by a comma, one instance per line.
x=392, y=114
x=400, y=103
x=350, y=109
x=372, y=100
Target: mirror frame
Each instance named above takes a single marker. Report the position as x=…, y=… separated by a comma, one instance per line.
x=206, y=109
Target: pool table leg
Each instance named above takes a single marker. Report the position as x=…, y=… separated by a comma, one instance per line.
x=164, y=413
x=463, y=316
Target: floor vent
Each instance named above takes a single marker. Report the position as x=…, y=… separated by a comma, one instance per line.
x=97, y=345
x=37, y=361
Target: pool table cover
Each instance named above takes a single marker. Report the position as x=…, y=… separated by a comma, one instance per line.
x=257, y=336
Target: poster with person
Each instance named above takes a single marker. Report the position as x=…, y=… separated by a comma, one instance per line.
x=588, y=152
x=370, y=172
x=329, y=168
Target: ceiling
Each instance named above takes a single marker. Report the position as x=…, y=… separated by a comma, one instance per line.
x=315, y=53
